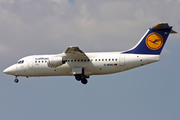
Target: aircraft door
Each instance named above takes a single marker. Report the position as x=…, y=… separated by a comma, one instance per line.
x=122, y=60
x=31, y=62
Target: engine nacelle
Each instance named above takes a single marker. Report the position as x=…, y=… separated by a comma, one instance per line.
x=56, y=61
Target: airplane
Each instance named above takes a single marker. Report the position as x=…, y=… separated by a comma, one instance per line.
x=74, y=62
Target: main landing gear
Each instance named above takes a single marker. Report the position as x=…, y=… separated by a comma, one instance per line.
x=16, y=80
x=82, y=78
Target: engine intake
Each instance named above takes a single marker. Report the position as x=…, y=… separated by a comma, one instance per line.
x=56, y=61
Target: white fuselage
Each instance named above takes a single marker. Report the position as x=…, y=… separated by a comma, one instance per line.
x=74, y=62
x=97, y=64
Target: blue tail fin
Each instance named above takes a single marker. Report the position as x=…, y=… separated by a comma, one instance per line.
x=153, y=41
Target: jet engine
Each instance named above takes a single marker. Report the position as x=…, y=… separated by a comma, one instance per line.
x=56, y=61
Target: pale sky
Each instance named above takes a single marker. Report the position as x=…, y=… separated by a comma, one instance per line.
x=30, y=27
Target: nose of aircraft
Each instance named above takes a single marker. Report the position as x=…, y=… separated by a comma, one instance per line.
x=10, y=70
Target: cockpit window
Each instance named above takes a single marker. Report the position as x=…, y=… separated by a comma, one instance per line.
x=21, y=62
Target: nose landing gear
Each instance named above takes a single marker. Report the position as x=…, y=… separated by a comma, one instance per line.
x=16, y=80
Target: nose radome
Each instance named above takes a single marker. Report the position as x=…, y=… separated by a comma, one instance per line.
x=5, y=71
x=10, y=70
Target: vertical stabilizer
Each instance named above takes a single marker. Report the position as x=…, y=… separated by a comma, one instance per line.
x=153, y=41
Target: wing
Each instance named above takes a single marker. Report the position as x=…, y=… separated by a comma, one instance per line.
x=75, y=53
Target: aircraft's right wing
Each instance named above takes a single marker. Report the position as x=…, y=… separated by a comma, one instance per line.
x=75, y=53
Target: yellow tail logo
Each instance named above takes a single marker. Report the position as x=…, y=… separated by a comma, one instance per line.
x=154, y=41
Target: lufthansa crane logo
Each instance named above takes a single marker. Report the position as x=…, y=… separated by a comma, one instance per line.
x=154, y=41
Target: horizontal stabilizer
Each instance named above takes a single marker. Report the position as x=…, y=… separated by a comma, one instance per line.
x=162, y=26
x=172, y=31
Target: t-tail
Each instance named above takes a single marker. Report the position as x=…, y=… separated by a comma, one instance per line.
x=153, y=41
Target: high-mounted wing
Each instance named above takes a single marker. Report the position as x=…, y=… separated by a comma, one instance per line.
x=75, y=53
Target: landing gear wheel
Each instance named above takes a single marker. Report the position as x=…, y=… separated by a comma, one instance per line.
x=84, y=81
x=78, y=77
x=16, y=80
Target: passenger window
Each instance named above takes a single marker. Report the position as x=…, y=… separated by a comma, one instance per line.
x=71, y=60
x=112, y=59
x=84, y=60
x=116, y=59
x=45, y=61
x=91, y=59
x=74, y=60
x=81, y=60
x=99, y=59
x=109, y=59
x=78, y=60
x=102, y=59
x=105, y=59
x=35, y=61
x=96, y=60
x=42, y=61
x=68, y=60
x=39, y=61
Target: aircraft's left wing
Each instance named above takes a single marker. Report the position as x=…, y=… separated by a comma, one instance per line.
x=75, y=53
